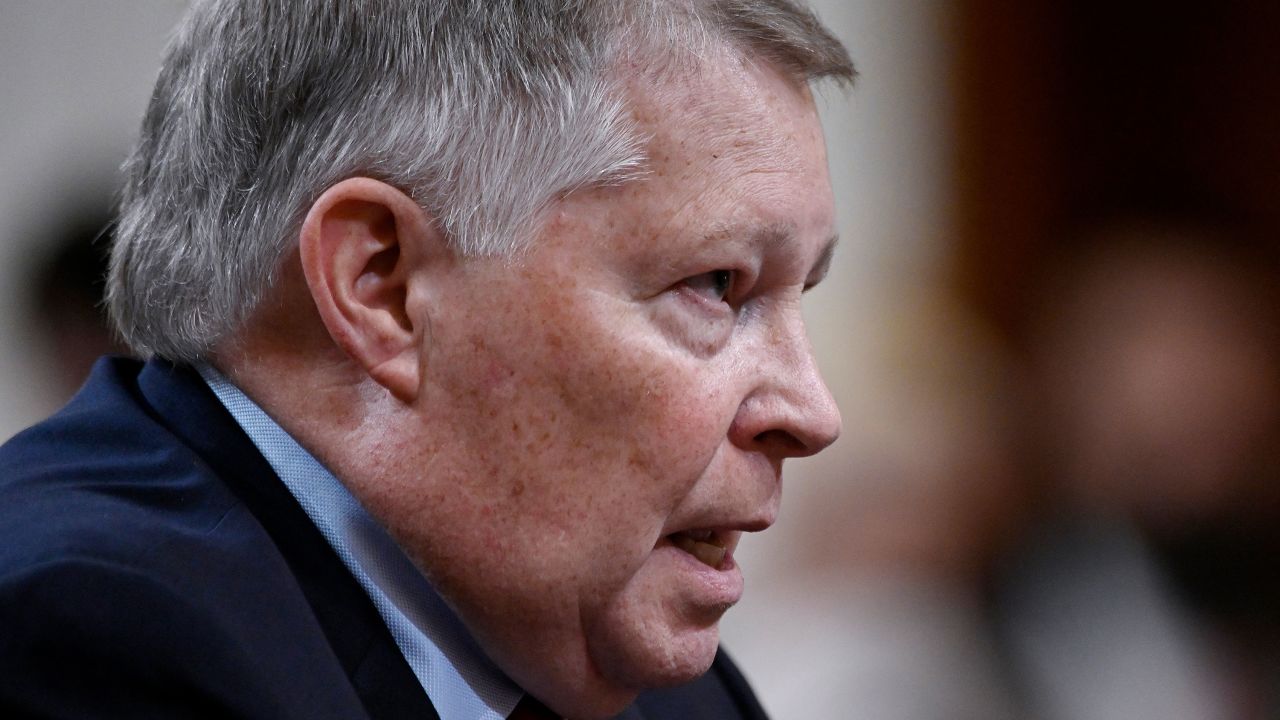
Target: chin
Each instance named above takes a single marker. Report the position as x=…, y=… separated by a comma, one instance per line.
x=624, y=672
x=646, y=637
x=644, y=658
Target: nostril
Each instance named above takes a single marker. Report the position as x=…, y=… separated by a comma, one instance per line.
x=781, y=441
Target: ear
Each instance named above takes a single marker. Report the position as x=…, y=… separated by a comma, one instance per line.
x=364, y=245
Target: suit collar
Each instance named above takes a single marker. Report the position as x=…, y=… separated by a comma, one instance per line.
x=355, y=630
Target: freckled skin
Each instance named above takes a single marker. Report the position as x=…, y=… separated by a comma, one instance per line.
x=578, y=404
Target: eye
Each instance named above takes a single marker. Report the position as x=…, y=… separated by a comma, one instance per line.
x=712, y=286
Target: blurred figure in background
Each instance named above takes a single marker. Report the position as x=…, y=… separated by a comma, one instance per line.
x=65, y=316
x=1148, y=590
x=1087, y=531
x=939, y=499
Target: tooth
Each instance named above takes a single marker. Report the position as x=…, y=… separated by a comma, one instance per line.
x=710, y=554
x=704, y=545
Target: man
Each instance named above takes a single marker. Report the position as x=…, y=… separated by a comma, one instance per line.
x=476, y=345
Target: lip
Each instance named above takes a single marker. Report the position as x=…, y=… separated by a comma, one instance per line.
x=705, y=587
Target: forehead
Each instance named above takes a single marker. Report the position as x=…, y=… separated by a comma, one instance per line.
x=733, y=149
x=725, y=102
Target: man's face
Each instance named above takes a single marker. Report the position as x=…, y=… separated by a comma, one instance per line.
x=602, y=418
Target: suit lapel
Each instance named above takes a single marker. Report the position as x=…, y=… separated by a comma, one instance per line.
x=356, y=632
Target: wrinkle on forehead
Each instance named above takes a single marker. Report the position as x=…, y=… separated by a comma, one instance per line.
x=747, y=132
x=759, y=89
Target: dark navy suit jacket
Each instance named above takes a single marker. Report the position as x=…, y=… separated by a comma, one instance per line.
x=153, y=565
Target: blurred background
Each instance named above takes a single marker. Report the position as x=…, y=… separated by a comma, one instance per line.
x=1052, y=329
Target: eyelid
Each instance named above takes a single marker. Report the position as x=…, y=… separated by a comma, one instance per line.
x=823, y=267
x=708, y=285
x=744, y=274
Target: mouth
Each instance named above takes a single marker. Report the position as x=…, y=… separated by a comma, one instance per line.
x=710, y=547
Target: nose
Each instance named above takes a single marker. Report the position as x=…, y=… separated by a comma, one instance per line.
x=790, y=412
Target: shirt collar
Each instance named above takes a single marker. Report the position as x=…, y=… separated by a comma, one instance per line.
x=461, y=681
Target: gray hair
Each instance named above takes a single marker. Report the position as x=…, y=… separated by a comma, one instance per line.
x=483, y=111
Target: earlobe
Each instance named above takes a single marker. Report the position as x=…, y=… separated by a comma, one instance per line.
x=363, y=244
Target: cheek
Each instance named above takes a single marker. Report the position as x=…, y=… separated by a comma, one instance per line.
x=571, y=430
x=654, y=414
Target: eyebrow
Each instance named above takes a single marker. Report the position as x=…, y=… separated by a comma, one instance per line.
x=774, y=234
x=767, y=237
x=823, y=266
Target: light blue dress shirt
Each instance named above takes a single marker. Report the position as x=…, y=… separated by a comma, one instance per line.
x=461, y=681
